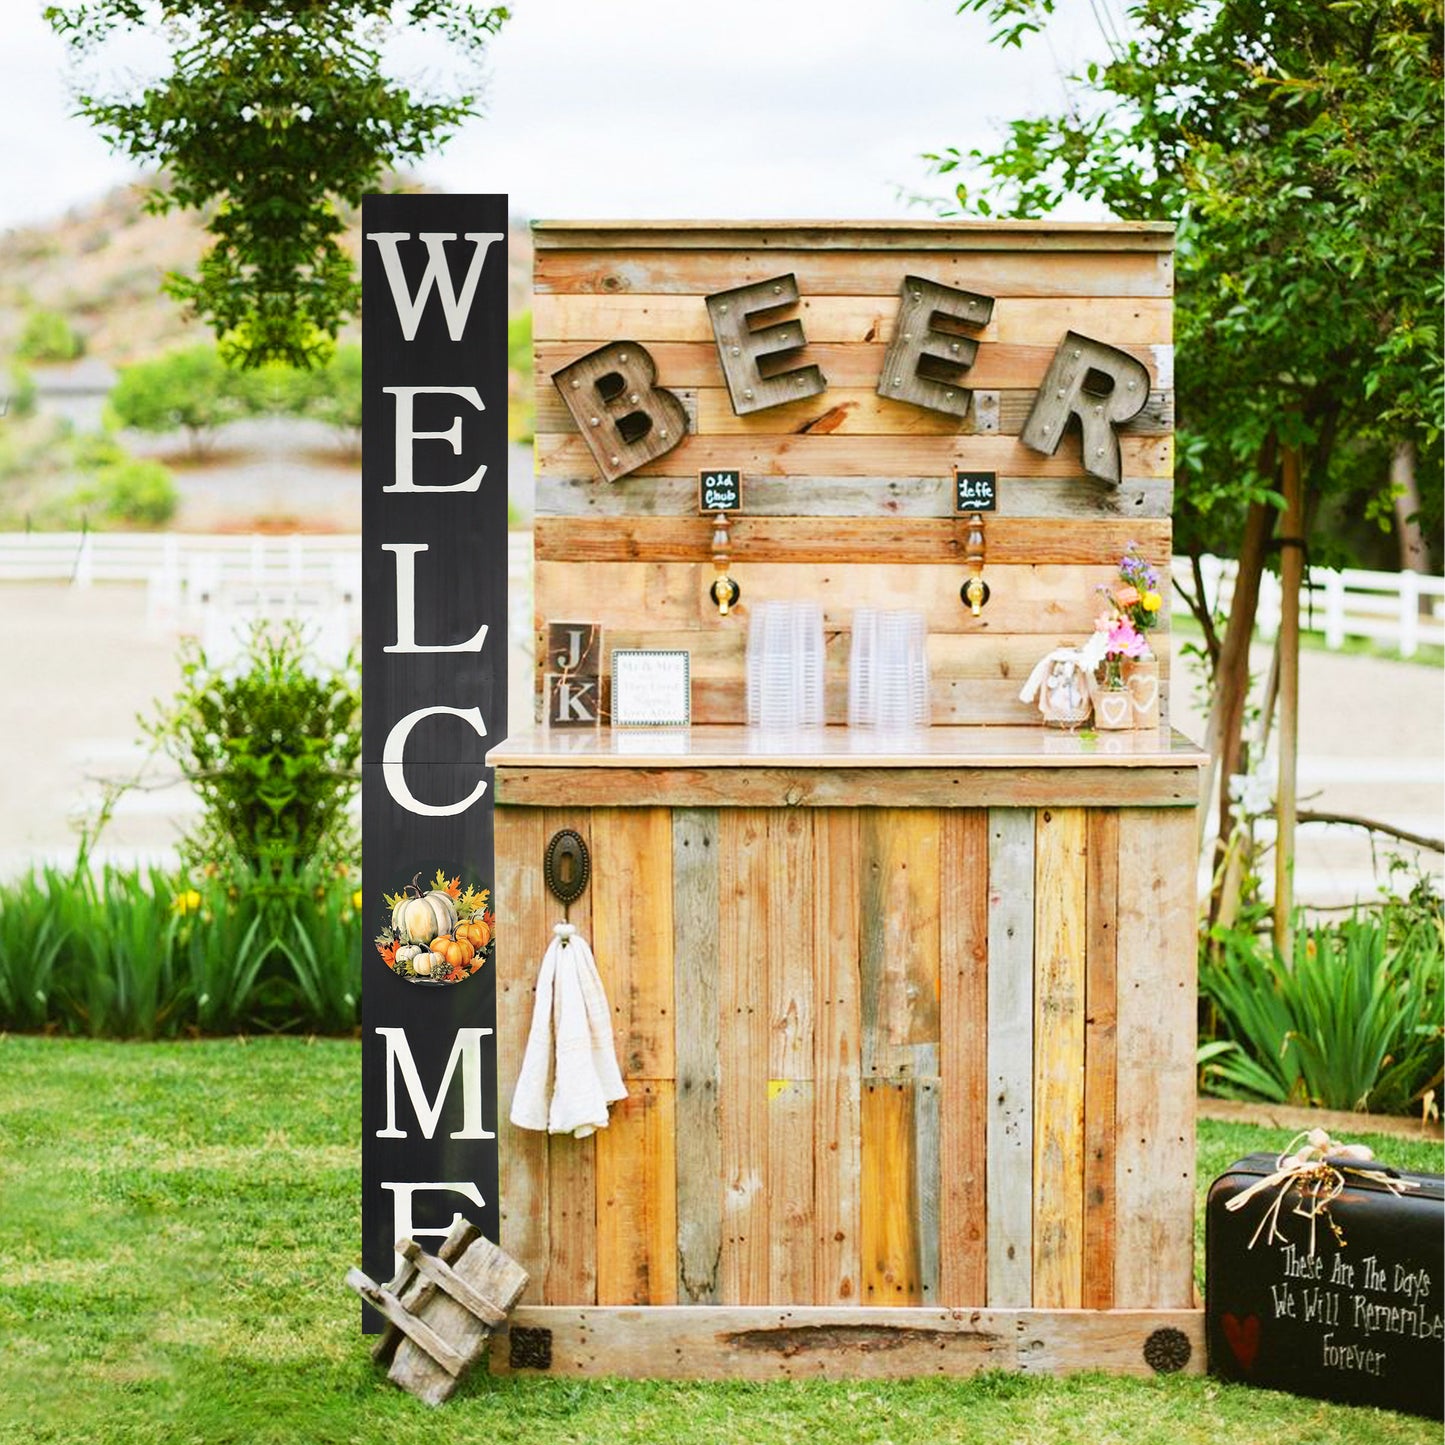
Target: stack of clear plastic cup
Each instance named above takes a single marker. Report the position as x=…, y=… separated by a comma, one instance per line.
x=888, y=670
x=785, y=665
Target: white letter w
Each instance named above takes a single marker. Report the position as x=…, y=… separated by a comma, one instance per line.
x=437, y=273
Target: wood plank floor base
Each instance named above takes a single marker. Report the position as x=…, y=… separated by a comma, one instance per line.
x=781, y=1342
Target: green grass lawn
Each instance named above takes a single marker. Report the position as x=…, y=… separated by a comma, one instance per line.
x=176, y=1220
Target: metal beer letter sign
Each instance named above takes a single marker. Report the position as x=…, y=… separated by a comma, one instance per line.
x=434, y=697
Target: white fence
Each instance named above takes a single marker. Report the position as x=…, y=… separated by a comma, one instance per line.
x=1400, y=609
x=214, y=585
x=191, y=576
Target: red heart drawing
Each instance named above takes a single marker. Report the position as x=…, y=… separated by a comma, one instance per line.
x=1243, y=1338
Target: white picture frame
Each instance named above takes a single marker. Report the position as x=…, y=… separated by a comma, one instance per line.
x=651, y=687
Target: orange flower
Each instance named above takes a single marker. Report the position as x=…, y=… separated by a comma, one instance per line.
x=1127, y=595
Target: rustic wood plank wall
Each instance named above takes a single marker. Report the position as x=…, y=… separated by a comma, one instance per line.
x=848, y=495
x=871, y=1056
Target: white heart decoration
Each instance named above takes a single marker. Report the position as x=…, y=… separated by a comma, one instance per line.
x=1144, y=690
x=1114, y=709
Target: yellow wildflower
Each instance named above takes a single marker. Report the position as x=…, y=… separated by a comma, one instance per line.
x=356, y=900
x=1152, y=601
x=186, y=902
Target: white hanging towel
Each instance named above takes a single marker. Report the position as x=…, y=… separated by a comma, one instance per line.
x=569, y=1073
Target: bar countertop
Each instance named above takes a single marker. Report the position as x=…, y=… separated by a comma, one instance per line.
x=736, y=746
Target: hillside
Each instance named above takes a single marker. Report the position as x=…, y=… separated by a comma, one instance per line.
x=101, y=266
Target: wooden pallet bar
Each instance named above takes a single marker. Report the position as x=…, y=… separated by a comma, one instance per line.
x=905, y=1023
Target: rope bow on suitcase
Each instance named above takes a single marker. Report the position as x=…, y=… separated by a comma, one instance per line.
x=1315, y=1170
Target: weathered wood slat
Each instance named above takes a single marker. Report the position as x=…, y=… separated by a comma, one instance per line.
x=999, y=367
x=788, y=1191
x=571, y=1163
x=889, y=1203
x=721, y=698
x=1046, y=497
x=848, y=411
x=861, y=456
x=451, y=1360
x=699, y=1142
x=1016, y=320
x=855, y=787
x=743, y=892
x=1099, y=1059
x=1010, y=1054
x=637, y=1198
x=655, y=271
x=836, y=1042
x=633, y=933
x=786, y=970
x=952, y=657
x=1154, y=1204
x=963, y=1057
x=523, y=903
x=927, y=1186
x=1008, y=541
x=829, y=1343
x=449, y=1282
x=1060, y=882
x=1028, y=237
x=667, y=596
x=899, y=942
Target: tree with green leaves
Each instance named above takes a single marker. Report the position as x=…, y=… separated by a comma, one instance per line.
x=275, y=116
x=191, y=389
x=1297, y=146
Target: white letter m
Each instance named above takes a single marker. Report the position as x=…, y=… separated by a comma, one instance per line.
x=467, y=1047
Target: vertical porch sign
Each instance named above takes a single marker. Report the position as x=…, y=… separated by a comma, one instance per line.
x=434, y=698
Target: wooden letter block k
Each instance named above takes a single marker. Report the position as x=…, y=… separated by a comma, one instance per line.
x=624, y=417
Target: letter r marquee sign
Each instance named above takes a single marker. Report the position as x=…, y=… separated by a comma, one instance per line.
x=434, y=698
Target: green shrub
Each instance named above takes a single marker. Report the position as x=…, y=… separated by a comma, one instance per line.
x=48, y=336
x=271, y=747
x=19, y=400
x=134, y=491
x=191, y=390
x=1352, y=1020
x=329, y=393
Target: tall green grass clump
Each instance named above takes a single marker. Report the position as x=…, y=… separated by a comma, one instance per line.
x=1350, y=1020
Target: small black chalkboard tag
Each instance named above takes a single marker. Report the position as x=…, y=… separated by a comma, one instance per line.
x=720, y=490
x=975, y=491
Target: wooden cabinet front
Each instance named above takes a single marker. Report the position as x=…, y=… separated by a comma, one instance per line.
x=876, y=1055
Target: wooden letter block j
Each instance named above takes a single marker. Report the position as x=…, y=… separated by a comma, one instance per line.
x=624, y=417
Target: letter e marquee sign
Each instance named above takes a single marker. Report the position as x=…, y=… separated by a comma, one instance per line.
x=434, y=698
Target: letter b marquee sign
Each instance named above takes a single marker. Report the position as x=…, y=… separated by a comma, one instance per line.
x=434, y=698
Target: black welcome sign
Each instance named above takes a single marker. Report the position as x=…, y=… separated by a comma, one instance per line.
x=434, y=698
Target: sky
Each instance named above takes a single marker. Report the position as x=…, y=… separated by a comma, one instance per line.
x=638, y=108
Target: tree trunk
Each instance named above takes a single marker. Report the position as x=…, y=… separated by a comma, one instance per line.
x=1223, y=733
x=1414, y=553
x=1291, y=569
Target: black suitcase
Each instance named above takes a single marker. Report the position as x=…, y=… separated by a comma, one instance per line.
x=1361, y=1320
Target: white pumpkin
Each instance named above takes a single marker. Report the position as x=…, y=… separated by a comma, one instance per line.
x=423, y=961
x=419, y=920
x=408, y=951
